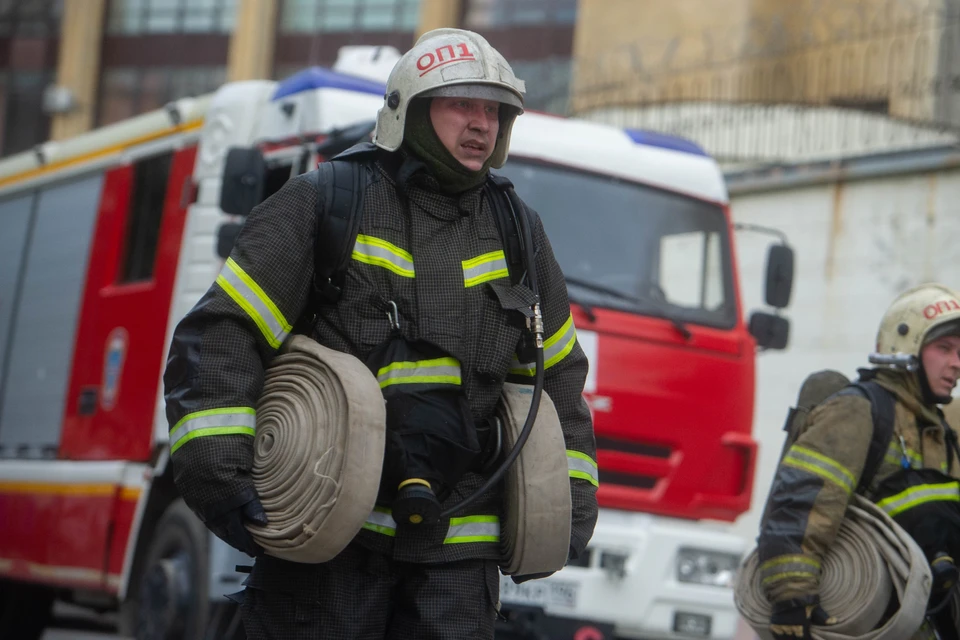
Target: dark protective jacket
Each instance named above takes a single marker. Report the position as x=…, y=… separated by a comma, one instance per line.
x=440, y=259
x=820, y=471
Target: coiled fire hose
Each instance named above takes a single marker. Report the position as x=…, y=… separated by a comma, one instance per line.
x=872, y=559
x=535, y=536
x=318, y=451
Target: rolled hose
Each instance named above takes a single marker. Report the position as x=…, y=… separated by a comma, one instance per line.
x=321, y=428
x=871, y=559
x=535, y=536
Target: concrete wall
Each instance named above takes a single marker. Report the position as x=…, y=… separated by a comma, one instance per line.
x=858, y=244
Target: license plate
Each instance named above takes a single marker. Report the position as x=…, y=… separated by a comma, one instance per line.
x=544, y=593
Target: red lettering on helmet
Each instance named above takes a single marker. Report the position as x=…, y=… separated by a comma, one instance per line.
x=425, y=66
x=446, y=54
x=931, y=311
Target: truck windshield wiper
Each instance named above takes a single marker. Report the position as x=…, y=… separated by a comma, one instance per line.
x=637, y=301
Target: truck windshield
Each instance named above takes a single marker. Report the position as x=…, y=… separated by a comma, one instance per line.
x=630, y=247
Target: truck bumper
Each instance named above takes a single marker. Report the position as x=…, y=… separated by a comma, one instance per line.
x=630, y=580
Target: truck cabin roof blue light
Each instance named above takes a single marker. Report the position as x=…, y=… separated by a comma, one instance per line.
x=322, y=78
x=664, y=141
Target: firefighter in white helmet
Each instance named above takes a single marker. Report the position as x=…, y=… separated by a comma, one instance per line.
x=885, y=438
x=435, y=298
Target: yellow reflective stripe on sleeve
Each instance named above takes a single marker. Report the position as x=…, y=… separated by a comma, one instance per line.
x=213, y=422
x=555, y=349
x=920, y=494
x=473, y=529
x=818, y=464
x=583, y=467
x=484, y=268
x=789, y=566
x=257, y=304
x=436, y=371
x=380, y=253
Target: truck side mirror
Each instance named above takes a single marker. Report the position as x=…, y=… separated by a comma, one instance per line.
x=227, y=237
x=243, y=176
x=769, y=330
x=779, y=276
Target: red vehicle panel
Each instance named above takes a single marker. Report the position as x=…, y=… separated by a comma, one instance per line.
x=126, y=323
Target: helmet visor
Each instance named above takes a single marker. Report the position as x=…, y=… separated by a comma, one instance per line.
x=475, y=90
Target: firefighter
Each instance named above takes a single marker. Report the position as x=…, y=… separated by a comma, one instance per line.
x=918, y=352
x=449, y=108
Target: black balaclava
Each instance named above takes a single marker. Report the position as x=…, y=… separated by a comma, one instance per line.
x=422, y=141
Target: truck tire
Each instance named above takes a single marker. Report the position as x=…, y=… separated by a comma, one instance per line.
x=25, y=610
x=172, y=602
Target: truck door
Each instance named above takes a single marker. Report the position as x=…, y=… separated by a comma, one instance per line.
x=118, y=360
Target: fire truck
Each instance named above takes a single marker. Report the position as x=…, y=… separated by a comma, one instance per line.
x=110, y=237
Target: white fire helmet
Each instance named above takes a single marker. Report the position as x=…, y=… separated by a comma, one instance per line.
x=917, y=317
x=451, y=63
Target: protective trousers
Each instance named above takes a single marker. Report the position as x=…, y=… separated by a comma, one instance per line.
x=363, y=595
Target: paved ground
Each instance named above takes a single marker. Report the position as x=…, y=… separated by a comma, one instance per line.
x=73, y=623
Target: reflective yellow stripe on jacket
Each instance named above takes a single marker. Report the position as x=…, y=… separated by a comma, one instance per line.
x=482, y=528
x=583, y=466
x=380, y=253
x=555, y=349
x=212, y=422
x=252, y=299
x=920, y=494
x=818, y=464
x=489, y=266
x=436, y=371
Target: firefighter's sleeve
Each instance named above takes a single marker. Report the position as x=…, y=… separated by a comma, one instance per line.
x=810, y=492
x=215, y=367
x=565, y=368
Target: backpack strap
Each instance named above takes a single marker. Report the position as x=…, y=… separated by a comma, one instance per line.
x=341, y=183
x=510, y=212
x=882, y=408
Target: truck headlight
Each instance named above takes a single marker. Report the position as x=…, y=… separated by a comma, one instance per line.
x=713, y=568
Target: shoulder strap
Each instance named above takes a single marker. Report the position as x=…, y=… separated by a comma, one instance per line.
x=339, y=204
x=882, y=406
x=509, y=212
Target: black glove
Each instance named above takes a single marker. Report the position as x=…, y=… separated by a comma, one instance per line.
x=792, y=618
x=228, y=519
x=531, y=576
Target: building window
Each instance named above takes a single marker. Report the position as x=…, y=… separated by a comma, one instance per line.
x=311, y=16
x=25, y=123
x=30, y=18
x=486, y=14
x=134, y=17
x=127, y=91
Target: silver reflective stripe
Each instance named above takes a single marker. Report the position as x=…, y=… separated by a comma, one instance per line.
x=818, y=464
x=582, y=466
x=213, y=422
x=436, y=371
x=489, y=266
x=555, y=349
x=792, y=566
x=257, y=304
x=920, y=494
x=381, y=522
x=473, y=529
x=380, y=253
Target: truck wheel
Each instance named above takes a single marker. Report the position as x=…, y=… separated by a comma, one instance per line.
x=25, y=610
x=172, y=598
